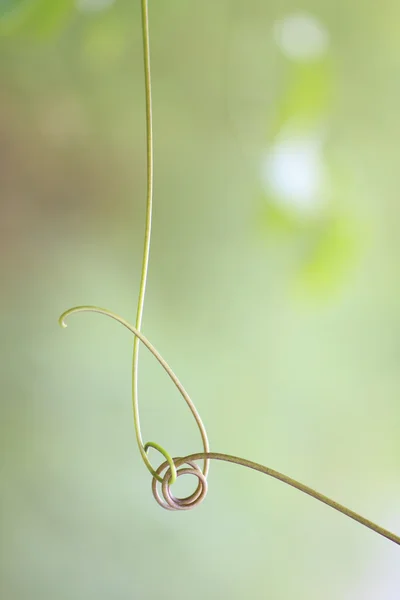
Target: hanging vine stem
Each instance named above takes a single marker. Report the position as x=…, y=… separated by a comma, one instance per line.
x=167, y=473
x=147, y=235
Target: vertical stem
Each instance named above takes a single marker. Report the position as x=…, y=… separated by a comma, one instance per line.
x=149, y=206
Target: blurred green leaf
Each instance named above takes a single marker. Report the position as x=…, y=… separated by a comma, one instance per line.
x=50, y=16
x=278, y=220
x=36, y=17
x=13, y=13
x=330, y=256
x=308, y=95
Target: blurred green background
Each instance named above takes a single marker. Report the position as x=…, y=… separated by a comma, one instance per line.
x=274, y=294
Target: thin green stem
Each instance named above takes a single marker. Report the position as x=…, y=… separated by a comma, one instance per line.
x=169, y=371
x=142, y=289
x=147, y=237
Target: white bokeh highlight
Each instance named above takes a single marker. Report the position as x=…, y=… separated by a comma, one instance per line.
x=292, y=171
x=301, y=36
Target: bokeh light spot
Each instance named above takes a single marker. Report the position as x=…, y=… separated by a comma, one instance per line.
x=301, y=36
x=292, y=172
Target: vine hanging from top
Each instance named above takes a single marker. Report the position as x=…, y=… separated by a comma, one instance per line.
x=164, y=476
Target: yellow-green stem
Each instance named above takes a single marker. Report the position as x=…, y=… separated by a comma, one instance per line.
x=147, y=236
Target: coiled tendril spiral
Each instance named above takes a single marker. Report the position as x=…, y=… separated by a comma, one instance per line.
x=167, y=499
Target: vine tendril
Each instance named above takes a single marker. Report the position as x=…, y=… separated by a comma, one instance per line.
x=172, y=468
x=147, y=236
x=176, y=503
x=169, y=371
